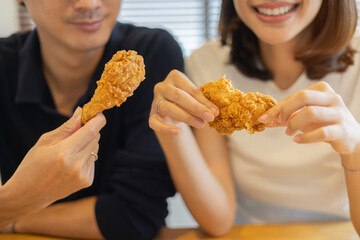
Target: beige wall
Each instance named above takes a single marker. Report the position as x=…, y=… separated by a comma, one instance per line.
x=9, y=22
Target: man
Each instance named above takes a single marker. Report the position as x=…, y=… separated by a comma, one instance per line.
x=44, y=76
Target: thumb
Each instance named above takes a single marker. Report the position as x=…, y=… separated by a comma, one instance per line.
x=69, y=127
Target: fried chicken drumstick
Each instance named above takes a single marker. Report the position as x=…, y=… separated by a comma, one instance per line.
x=237, y=110
x=121, y=76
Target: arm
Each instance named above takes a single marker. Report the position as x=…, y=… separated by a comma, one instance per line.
x=58, y=165
x=55, y=221
x=199, y=163
x=321, y=116
x=352, y=161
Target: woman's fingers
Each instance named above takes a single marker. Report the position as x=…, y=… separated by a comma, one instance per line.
x=310, y=118
x=188, y=103
x=179, y=99
x=281, y=112
x=321, y=86
x=323, y=134
x=158, y=124
x=175, y=112
x=182, y=82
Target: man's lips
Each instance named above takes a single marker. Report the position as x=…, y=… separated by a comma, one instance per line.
x=88, y=26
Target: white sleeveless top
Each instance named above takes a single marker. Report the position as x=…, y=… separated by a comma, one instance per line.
x=277, y=180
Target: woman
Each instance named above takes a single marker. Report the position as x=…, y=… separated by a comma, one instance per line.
x=283, y=49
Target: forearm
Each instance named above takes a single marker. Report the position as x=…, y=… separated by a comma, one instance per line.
x=211, y=201
x=14, y=205
x=8, y=211
x=71, y=219
x=352, y=162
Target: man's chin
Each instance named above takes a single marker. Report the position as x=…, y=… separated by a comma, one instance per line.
x=88, y=44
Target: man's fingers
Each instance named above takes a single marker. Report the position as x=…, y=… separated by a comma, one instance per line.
x=92, y=147
x=65, y=130
x=87, y=133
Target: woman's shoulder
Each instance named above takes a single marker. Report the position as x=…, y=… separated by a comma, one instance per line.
x=355, y=41
x=210, y=50
x=207, y=62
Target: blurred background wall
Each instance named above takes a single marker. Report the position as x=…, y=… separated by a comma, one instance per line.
x=9, y=20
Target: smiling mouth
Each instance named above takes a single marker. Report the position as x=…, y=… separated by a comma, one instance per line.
x=275, y=11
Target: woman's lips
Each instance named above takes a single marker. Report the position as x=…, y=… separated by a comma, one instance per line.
x=88, y=26
x=275, y=12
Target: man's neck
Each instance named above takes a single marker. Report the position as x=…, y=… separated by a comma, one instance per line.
x=68, y=73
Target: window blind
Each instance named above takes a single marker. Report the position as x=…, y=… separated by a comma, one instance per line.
x=191, y=22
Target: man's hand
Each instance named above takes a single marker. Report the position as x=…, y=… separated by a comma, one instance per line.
x=60, y=163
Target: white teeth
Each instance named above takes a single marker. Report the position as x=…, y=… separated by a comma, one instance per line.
x=275, y=11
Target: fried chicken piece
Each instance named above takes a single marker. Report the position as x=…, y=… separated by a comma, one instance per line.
x=121, y=76
x=237, y=110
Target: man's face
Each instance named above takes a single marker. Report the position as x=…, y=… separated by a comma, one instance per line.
x=76, y=24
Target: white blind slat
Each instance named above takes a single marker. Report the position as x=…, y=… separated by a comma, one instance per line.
x=191, y=22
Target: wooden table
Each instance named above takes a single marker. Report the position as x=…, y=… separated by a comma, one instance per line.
x=301, y=231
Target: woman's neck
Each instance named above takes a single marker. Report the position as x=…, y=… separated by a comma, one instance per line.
x=280, y=60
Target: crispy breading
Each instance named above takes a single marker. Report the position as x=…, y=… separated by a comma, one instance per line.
x=237, y=110
x=121, y=76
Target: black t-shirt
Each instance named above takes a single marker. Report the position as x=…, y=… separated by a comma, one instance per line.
x=131, y=181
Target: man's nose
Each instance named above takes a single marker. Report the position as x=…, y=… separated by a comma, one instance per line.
x=86, y=5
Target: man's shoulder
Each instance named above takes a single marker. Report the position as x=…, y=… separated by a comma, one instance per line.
x=138, y=37
x=133, y=31
x=13, y=43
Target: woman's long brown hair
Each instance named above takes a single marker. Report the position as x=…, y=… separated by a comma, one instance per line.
x=327, y=51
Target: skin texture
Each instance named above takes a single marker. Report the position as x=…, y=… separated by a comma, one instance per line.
x=198, y=159
x=72, y=35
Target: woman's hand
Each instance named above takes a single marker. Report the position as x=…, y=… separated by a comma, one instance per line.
x=321, y=115
x=60, y=163
x=178, y=100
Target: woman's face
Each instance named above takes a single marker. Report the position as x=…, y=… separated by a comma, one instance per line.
x=277, y=21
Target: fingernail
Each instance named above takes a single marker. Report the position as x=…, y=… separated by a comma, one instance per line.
x=280, y=118
x=208, y=117
x=263, y=118
x=297, y=139
x=199, y=123
x=174, y=131
x=288, y=131
x=76, y=114
x=270, y=124
x=215, y=110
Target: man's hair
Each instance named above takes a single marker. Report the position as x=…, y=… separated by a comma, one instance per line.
x=327, y=51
